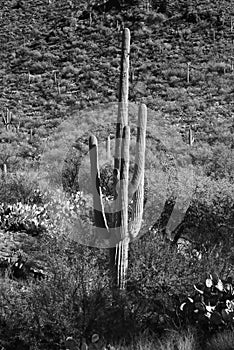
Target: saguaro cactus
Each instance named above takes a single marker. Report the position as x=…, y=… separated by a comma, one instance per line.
x=191, y=137
x=7, y=118
x=188, y=72
x=4, y=170
x=119, y=224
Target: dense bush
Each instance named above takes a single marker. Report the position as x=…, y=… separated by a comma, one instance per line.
x=211, y=307
x=75, y=298
x=20, y=187
x=210, y=215
x=66, y=303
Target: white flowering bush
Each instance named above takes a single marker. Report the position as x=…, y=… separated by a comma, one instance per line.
x=31, y=218
x=56, y=212
x=65, y=212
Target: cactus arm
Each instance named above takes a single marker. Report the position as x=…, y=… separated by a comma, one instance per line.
x=99, y=215
x=108, y=148
x=137, y=213
x=140, y=150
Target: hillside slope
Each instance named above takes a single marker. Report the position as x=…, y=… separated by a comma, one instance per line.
x=53, y=63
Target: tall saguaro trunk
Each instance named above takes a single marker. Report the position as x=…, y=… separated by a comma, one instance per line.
x=119, y=254
x=122, y=119
x=125, y=228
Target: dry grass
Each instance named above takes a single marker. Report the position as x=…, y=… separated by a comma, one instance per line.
x=178, y=341
x=173, y=341
x=222, y=341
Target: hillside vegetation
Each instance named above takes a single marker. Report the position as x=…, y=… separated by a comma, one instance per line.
x=52, y=62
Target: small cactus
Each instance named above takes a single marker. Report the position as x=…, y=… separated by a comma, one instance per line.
x=18, y=127
x=71, y=344
x=191, y=137
x=84, y=345
x=30, y=135
x=4, y=170
x=110, y=347
x=188, y=72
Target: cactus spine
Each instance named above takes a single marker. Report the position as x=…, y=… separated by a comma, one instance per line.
x=125, y=190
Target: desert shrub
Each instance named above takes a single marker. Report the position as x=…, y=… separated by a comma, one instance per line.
x=219, y=67
x=160, y=278
x=66, y=212
x=75, y=299
x=8, y=153
x=222, y=162
x=210, y=215
x=69, y=302
x=20, y=187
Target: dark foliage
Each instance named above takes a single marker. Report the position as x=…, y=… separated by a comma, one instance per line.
x=211, y=307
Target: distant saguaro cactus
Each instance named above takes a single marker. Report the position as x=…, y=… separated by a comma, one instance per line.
x=188, y=72
x=7, y=119
x=4, y=170
x=125, y=190
x=191, y=137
